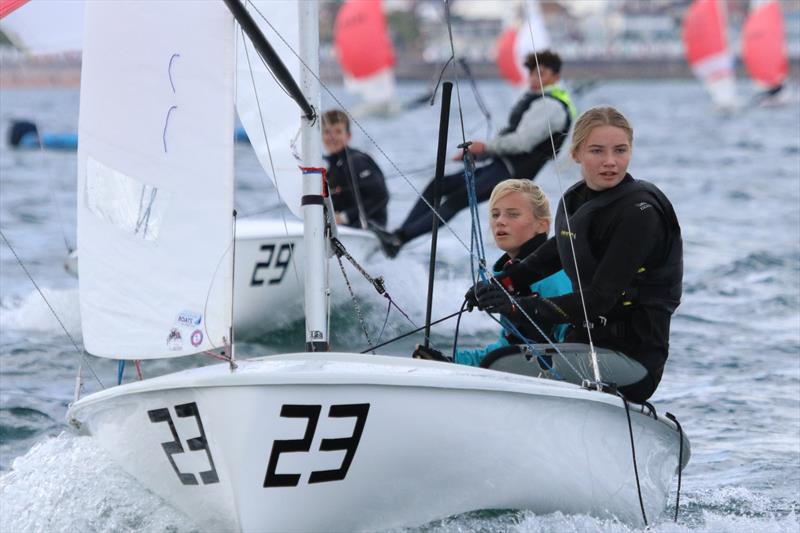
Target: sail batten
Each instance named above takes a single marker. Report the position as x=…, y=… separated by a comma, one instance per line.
x=155, y=178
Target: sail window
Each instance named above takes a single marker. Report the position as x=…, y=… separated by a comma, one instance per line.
x=125, y=202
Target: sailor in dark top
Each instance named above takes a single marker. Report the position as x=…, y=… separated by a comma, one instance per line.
x=628, y=249
x=520, y=150
x=353, y=177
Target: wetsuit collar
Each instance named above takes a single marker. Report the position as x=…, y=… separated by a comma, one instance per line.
x=525, y=250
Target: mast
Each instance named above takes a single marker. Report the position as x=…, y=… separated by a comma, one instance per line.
x=315, y=243
x=307, y=97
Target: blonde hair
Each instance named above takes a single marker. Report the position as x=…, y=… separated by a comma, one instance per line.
x=598, y=116
x=536, y=197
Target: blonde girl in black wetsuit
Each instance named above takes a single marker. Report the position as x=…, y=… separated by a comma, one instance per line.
x=625, y=239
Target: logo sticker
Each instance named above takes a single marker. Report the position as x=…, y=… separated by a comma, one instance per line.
x=174, y=340
x=197, y=338
x=189, y=319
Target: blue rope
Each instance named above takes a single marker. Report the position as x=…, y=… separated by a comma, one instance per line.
x=120, y=370
x=508, y=325
x=476, y=247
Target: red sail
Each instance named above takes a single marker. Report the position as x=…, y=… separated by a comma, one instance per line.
x=7, y=6
x=507, y=57
x=362, y=38
x=764, y=45
x=704, y=31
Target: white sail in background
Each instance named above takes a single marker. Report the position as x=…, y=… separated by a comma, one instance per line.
x=268, y=109
x=155, y=178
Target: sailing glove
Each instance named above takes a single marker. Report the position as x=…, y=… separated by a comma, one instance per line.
x=471, y=298
x=431, y=354
x=494, y=299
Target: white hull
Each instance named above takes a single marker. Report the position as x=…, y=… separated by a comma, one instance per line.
x=269, y=272
x=437, y=440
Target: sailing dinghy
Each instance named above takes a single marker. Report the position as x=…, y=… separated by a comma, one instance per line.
x=365, y=53
x=517, y=41
x=312, y=441
x=764, y=49
x=706, y=46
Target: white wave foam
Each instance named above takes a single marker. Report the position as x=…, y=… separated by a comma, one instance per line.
x=32, y=313
x=67, y=483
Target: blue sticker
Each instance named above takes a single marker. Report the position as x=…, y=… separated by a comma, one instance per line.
x=189, y=319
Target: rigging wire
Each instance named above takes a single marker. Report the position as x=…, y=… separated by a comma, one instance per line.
x=593, y=354
x=355, y=121
x=476, y=238
x=81, y=353
x=282, y=204
x=362, y=129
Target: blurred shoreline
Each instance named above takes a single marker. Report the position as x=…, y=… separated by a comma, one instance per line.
x=21, y=73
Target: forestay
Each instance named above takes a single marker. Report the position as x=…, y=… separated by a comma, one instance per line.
x=155, y=178
x=267, y=109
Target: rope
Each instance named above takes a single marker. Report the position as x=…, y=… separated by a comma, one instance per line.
x=81, y=353
x=404, y=335
x=680, y=463
x=633, y=453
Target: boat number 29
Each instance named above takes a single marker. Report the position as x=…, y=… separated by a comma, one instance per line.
x=276, y=260
x=358, y=411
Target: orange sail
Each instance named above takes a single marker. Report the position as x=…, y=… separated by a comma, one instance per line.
x=706, y=47
x=764, y=44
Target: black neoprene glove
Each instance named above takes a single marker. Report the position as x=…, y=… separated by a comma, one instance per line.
x=493, y=299
x=432, y=354
x=471, y=298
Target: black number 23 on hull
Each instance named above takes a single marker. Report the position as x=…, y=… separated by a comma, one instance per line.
x=358, y=411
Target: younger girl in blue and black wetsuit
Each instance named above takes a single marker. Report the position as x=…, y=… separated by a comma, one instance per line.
x=519, y=217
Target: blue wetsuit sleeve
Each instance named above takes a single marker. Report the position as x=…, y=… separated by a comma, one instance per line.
x=473, y=357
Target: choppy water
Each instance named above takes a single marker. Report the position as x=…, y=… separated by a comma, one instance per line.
x=733, y=377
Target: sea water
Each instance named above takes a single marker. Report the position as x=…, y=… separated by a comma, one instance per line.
x=732, y=379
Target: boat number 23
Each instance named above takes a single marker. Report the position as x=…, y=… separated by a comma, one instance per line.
x=349, y=444
x=195, y=444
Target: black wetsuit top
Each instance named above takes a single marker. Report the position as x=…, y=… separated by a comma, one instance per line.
x=371, y=186
x=634, y=284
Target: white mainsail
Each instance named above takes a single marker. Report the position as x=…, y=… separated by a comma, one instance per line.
x=155, y=178
x=269, y=115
